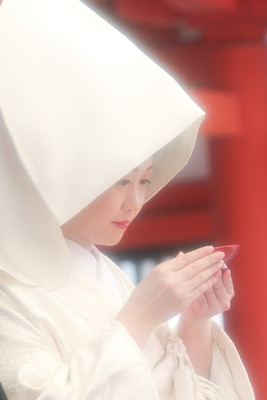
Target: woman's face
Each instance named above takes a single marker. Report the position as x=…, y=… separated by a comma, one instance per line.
x=106, y=219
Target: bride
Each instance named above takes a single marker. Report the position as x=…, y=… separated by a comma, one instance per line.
x=90, y=130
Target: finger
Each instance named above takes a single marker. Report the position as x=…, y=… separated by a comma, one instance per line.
x=194, y=265
x=211, y=297
x=183, y=260
x=203, y=269
x=212, y=301
x=202, y=288
x=194, y=255
x=223, y=296
x=219, y=291
x=228, y=282
x=202, y=277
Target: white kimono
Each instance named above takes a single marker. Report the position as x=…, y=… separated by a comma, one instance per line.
x=65, y=344
x=81, y=106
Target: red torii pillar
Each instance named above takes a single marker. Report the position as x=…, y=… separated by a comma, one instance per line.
x=239, y=184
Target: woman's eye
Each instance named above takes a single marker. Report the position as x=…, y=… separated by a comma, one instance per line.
x=124, y=182
x=145, y=181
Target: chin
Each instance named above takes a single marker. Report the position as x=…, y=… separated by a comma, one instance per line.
x=112, y=241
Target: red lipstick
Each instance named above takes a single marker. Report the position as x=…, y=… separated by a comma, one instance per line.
x=122, y=224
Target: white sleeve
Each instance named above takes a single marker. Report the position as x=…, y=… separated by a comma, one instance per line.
x=174, y=376
x=110, y=367
x=227, y=369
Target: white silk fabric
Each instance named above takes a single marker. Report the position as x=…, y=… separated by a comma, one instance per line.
x=65, y=345
x=81, y=106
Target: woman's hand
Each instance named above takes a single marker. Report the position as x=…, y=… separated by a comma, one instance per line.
x=169, y=289
x=194, y=325
x=213, y=301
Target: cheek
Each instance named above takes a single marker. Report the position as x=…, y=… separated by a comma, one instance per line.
x=108, y=203
x=91, y=216
x=143, y=195
x=104, y=210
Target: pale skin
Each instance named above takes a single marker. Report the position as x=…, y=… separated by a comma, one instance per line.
x=191, y=284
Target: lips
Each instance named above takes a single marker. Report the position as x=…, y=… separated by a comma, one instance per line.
x=121, y=224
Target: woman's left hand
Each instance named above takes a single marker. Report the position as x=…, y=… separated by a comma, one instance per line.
x=194, y=325
x=213, y=301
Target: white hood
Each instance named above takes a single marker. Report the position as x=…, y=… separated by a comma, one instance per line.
x=81, y=106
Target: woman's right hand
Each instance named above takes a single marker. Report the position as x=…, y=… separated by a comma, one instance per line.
x=168, y=289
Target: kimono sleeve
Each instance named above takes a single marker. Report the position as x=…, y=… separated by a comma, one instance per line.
x=227, y=369
x=174, y=375
x=31, y=366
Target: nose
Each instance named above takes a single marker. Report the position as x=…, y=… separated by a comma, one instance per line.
x=134, y=200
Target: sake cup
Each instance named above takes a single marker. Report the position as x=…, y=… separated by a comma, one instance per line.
x=229, y=250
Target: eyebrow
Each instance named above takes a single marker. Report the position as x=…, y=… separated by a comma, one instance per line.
x=137, y=169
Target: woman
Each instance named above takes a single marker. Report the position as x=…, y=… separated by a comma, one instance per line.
x=91, y=129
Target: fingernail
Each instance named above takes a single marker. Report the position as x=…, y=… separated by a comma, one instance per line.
x=221, y=255
x=210, y=249
x=220, y=264
x=224, y=267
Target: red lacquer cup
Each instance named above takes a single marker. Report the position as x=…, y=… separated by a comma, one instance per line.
x=229, y=250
